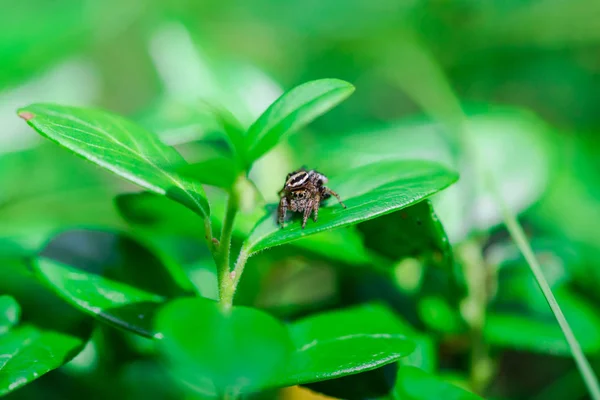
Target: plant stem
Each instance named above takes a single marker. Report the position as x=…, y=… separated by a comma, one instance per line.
x=222, y=258
x=208, y=236
x=229, y=284
x=518, y=235
x=446, y=107
x=474, y=309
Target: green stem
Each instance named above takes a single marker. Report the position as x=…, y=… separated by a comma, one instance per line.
x=518, y=235
x=474, y=310
x=222, y=258
x=229, y=285
x=445, y=105
x=208, y=236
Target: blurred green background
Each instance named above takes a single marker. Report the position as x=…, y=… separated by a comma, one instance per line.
x=522, y=77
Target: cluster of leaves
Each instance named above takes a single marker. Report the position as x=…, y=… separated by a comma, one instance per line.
x=213, y=347
x=402, y=55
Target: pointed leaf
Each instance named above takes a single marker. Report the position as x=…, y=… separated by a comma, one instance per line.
x=292, y=111
x=368, y=192
x=28, y=352
x=215, y=350
x=51, y=335
x=120, y=146
x=339, y=343
x=112, y=302
x=233, y=130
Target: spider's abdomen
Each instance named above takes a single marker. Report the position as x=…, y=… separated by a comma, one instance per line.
x=299, y=204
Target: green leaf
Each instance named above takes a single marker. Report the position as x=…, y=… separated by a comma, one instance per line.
x=380, y=381
x=368, y=192
x=344, y=244
x=120, y=257
x=233, y=130
x=415, y=384
x=50, y=335
x=29, y=352
x=425, y=355
x=339, y=343
x=112, y=302
x=120, y=146
x=156, y=214
x=365, y=385
x=292, y=111
x=412, y=232
x=217, y=351
x=526, y=166
x=219, y=171
x=10, y=311
x=414, y=241
x=17, y=281
x=211, y=163
x=113, y=277
x=529, y=330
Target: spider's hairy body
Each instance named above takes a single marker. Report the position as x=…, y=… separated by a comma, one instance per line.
x=304, y=190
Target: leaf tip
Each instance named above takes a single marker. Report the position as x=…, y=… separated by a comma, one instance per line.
x=26, y=115
x=342, y=84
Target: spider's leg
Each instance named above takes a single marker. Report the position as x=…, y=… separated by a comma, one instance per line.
x=337, y=196
x=307, y=211
x=282, y=210
x=316, y=205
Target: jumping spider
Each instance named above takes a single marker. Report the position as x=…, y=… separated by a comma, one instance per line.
x=303, y=192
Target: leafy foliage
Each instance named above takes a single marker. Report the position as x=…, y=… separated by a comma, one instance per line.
x=228, y=351
x=36, y=343
x=415, y=384
x=322, y=341
x=30, y=353
x=113, y=302
x=367, y=192
x=291, y=111
x=119, y=146
x=381, y=300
